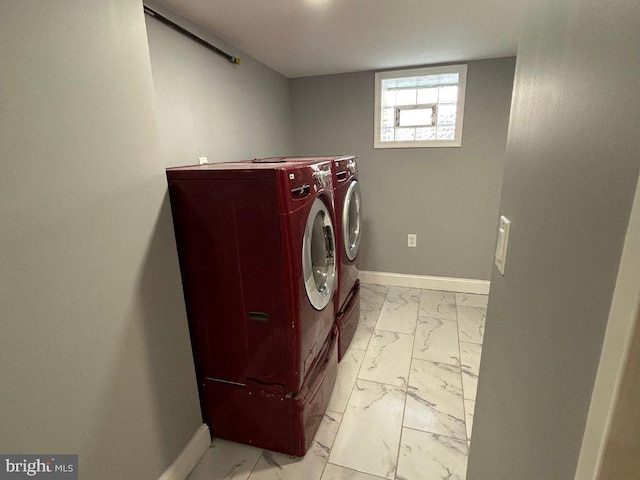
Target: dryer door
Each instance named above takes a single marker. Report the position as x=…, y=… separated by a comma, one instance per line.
x=318, y=256
x=351, y=220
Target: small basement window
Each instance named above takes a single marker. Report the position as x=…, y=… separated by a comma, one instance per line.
x=421, y=107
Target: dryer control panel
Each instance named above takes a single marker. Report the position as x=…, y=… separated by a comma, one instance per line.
x=346, y=168
x=352, y=166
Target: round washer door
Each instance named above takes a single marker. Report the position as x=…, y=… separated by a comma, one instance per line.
x=351, y=220
x=318, y=256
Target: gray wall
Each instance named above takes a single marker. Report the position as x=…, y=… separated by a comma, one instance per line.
x=572, y=167
x=94, y=351
x=448, y=196
x=209, y=107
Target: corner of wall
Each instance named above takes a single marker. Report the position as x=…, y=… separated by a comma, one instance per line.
x=615, y=350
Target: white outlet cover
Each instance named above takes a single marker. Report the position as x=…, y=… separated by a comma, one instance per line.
x=203, y=160
x=412, y=240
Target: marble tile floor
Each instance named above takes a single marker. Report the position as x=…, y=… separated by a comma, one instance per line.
x=402, y=407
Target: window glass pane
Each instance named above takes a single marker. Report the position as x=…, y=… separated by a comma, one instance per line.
x=387, y=135
x=420, y=107
x=406, y=96
x=445, y=133
x=388, y=98
x=411, y=117
x=428, y=133
x=428, y=81
x=446, y=114
x=407, y=82
x=388, y=117
x=405, y=134
x=388, y=84
x=448, y=79
x=428, y=95
x=448, y=94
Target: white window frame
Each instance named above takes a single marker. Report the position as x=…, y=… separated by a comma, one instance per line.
x=461, y=70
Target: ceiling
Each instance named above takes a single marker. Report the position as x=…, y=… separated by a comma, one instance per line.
x=316, y=37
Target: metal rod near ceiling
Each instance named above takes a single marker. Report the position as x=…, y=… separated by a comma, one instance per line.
x=187, y=33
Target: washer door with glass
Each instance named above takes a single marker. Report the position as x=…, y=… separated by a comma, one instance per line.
x=351, y=220
x=318, y=256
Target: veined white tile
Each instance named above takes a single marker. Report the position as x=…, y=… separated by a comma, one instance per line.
x=276, y=466
x=369, y=434
x=361, y=338
x=471, y=300
x=431, y=457
x=373, y=296
x=470, y=354
x=437, y=304
x=388, y=358
x=226, y=461
x=469, y=385
x=369, y=316
x=434, y=399
x=336, y=472
x=366, y=325
x=436, y=340
x=400, y=311
x=471, y=323
x=347, y=372
x=469, y=410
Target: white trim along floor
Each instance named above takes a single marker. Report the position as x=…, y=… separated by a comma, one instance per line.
x=461, y=285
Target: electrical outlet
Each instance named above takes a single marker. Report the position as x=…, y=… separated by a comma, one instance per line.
x=412, y=240
x=203, y=160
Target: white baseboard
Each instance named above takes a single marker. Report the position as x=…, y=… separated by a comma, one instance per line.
x=462, y=285
x=190, y=455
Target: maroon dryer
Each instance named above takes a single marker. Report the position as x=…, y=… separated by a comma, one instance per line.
x=257, y=253
x=348, y=209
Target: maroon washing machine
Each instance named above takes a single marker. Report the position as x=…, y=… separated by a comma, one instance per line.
x=348, y=205
x=348, y=209
x=257, y=250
